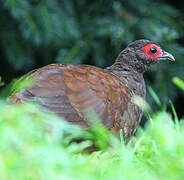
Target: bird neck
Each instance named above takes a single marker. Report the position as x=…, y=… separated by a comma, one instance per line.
x=131, y=76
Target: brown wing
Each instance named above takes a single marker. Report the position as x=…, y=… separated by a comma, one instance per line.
x=68, y=89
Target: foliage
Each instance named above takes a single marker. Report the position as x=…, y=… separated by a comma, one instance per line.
x=36, y=145
x=35, y=33
x=179, y=82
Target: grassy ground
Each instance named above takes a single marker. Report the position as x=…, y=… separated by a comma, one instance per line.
x=35, y=145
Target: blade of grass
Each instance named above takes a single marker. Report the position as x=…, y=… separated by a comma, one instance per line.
x=154, y=96
x=178, y=82
x=174, y=113
x=121, y=137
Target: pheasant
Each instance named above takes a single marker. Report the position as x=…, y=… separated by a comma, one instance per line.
x=69, y=89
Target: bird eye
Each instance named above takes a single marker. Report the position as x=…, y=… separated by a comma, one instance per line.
x=153, y=50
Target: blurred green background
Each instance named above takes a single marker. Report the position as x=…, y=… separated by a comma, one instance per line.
x=34, y=33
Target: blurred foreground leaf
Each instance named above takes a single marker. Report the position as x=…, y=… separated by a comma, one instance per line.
x=178, y=82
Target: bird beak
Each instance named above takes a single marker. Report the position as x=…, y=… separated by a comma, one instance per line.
x=166, y=56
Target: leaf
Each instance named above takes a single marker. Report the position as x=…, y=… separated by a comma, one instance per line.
x=174, y=113
x=154, y=96
x=178, y=82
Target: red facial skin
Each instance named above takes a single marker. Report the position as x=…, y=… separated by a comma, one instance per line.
x=146, y=50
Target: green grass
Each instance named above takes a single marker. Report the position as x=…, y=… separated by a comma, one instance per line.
x=37, y=145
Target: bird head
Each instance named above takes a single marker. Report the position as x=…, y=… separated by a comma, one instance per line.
x=142, y=53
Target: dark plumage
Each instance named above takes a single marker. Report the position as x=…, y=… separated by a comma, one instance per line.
x=68, y=89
